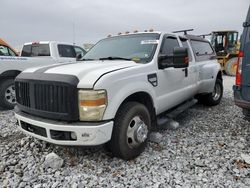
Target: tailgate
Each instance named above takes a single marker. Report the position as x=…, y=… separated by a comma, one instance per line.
x=245, y=40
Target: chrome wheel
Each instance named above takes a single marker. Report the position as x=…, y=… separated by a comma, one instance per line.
x=10, y=94
x=217, y=92
x=137, y=132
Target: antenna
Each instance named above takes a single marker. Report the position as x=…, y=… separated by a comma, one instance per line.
x=184, y=31
x=74, y=33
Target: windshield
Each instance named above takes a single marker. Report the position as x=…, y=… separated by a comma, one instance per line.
x=136, y=47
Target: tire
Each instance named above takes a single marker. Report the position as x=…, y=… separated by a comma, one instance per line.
x=7, y=94
x=213, y=98
x=131, y=129
x=231, y=66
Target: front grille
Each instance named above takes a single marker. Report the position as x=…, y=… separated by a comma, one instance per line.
x=23, y=94
x=49, y=99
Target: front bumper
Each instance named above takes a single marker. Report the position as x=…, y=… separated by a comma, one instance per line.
x=238, y=100
x=87, y=133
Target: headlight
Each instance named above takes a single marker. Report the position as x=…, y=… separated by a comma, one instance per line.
x=92, y=104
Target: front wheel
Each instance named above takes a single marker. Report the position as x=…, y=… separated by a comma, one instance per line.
x=7, y=94
x=214, y=98
x=131, y=129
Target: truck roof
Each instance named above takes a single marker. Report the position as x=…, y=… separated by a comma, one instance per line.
x=47, y=42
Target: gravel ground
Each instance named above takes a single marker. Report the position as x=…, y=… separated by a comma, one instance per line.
x=205, y=151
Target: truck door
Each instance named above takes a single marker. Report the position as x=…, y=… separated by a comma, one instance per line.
x=245, y=46
x=173, y=85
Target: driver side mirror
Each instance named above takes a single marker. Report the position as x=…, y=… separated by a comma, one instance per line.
x=179, y=59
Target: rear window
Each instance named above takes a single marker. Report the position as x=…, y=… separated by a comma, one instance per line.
x=66, y=51
x=34, y=50
x=201, y=47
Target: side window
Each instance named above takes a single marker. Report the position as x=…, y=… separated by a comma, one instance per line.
x=168, y=45
x=185, y=45
x=66, y=51
x=26, y=51
x=11, y=52
x=79, y=50
x=4, y=51
x=201, y=48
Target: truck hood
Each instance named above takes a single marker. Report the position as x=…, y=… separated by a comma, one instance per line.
x=88, y=72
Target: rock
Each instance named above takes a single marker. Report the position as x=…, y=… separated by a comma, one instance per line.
x=52, y=160
x=173, y=124
x=2, y=166
x=54, y=185
x=32, y=144
x=18, y=171
x=155, y=137
x=38, y=186
x=246, y=158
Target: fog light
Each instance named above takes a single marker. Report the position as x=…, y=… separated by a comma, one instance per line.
x=73, y=136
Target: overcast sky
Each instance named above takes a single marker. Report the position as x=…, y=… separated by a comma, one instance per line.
x=32, y=20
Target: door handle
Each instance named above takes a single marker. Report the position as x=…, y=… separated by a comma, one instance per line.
x=186, y=72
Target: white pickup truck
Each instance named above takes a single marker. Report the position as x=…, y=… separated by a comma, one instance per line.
x=128, y=85
x=33, y=54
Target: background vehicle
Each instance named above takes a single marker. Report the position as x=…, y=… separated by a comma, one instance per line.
x=128, y=85
x=33, y=54
x=58, y=51
x=242, y=85
x=6, y=50
x=226, y=45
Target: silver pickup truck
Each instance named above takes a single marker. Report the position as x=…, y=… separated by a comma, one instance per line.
x=127, y=86
x=33, y=54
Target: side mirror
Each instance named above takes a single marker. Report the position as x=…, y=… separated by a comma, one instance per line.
x=79, y=56
x=180, y=57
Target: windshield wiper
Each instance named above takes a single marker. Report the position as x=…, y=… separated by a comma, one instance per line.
x=115, y=58
x=83, y=59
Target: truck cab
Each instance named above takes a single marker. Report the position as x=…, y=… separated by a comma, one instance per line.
x=242, y=85
x=58, y=51
x=127, y=83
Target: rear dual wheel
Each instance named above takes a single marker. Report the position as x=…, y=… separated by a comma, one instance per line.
x=214, y=98
x=131, y=129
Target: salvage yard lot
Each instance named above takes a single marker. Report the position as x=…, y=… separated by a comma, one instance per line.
x=205, y=151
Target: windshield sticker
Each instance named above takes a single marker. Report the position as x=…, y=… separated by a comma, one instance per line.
x=149, y=41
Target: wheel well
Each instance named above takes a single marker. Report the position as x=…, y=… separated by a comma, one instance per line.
x=9, y=74
x=145, y=99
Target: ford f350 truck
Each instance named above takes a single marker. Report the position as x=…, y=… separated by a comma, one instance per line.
x=33, y=54
x=126, y=87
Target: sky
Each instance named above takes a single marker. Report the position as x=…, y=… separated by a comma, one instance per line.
x=87, y=21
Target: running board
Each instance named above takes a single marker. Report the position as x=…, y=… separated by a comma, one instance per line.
x=163, y=122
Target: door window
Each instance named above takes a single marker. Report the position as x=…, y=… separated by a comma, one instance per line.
x=5, y=51
x=168, y=45
x=66, y=51
x=185, y=45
